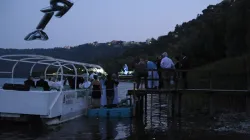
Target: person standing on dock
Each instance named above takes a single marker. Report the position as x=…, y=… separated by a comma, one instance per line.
x=158, y=64
x=166, y=63
x=96, y=93
x=115, y=78
x=141, y=72
x=152, y=75
x=110, y=92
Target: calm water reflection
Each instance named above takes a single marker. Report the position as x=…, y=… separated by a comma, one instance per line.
x=153, y=126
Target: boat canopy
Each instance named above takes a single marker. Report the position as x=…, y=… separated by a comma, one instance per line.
x=50, y=61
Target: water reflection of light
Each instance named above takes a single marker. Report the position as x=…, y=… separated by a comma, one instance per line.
x=121, y=131
x=114, y=128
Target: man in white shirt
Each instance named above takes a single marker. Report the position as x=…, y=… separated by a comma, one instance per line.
x=167, y=63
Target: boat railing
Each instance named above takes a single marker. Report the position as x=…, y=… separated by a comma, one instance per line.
x=70, y=66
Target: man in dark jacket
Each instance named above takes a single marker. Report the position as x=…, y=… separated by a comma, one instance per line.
x=43, y=83
x=29, y=82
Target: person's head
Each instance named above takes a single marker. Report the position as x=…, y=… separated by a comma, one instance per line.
x=53, y=79
x=143, y=58
x=177, y=58
x=95, y=77
x=158, y=57
x=49, y=79
x=109, y=77
x=30, y=78
x=165, y=54
x=114, y=76
x=42, y=77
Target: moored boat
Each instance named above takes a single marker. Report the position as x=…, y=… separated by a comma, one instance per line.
x=19, y=102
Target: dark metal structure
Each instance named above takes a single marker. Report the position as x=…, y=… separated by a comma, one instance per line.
x=60, y=8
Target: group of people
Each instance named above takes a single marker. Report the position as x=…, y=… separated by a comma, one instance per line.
x=93, y=82
x=110, y=83
x=47, y=85
x=153, y=71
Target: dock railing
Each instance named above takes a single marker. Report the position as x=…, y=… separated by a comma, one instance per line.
x=215, y=86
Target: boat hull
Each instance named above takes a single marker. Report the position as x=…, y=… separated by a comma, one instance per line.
x=52, y=107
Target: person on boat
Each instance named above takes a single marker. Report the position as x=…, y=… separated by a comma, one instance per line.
x=55, y=85
x=43, y=83
x=92, y=76
x=110, y=92
x=51, y=81
x=86, y=84
x=96, y=92
x=152, y=75
x=167, y=63
x=141, y=72
x=30, y=82
x=115, y=78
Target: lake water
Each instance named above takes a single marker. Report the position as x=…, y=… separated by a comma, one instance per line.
x=153, y=126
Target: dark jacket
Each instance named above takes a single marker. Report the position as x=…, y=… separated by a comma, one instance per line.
x=29, y=83
x=44, y=84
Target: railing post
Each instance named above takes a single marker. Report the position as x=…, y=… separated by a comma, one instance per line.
x=248, y=86
x=247, y=72
x=134, y=101
x=152, y=79
x=210, y=80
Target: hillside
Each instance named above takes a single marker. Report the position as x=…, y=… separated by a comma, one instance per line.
x=221, y=31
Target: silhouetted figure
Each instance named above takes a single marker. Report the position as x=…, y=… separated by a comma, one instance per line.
x=43, y=83
x=110, y=92
x=72, y=82
x=96, y=93
x=178, y=67
x=185, y=65
x=177, y=64
x=141, y=72
x=158, y=64
x=29, y=82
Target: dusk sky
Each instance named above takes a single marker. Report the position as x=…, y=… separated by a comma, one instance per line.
x=95, y=20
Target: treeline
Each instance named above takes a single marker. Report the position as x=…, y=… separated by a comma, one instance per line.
x=87, y=53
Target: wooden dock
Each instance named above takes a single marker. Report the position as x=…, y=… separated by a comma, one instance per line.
x=184, y=101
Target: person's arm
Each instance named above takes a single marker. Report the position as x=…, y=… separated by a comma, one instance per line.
x=33, y=84
x=162, y=63
x=172, y=64
x=116, y=82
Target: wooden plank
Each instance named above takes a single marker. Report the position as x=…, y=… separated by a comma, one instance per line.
x=198, y=91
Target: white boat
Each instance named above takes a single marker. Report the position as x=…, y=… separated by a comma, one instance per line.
x=54, y=106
